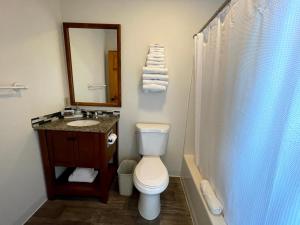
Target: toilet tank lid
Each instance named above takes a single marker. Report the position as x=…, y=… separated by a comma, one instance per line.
x=153, y=127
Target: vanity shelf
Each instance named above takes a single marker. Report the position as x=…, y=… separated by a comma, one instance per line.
x=65, y=188
x=76, y=148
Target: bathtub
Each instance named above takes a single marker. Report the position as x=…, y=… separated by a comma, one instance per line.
x=191, y=177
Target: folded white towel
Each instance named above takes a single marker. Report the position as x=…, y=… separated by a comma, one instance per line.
x=88, y=172
x=153, y=70
x=211, y=200
x=155, y=52
x=156, y=49
x=159, y=56
x=156, y=45
x=154, y=88
x=155, y=77
x=157, y=59
x=157, y=66
x=159, y=82
x=74, y=178
x=150, y=62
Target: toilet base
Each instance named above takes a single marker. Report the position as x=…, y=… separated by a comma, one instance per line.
x=149, y=206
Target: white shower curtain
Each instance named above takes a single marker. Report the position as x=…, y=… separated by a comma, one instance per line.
x=247, y=135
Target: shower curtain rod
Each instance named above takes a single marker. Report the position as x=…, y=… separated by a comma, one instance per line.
x=214, y=16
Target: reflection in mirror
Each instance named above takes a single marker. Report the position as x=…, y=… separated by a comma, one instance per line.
x=94, y=65
x=91, y=52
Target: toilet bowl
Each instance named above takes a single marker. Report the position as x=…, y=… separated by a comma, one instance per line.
x=150, y=178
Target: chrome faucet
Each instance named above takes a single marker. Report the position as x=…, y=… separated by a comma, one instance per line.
x=96, y=115
x=77, y=110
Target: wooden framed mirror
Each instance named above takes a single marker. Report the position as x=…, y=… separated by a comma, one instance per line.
x=93, y=56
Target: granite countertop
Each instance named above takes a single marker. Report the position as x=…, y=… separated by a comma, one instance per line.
x=105, y=124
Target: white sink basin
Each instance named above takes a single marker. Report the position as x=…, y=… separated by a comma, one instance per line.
x=83, y=123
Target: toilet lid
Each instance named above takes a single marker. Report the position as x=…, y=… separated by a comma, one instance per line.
x=151, y=172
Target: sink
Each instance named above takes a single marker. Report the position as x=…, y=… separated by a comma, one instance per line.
x=83, y=123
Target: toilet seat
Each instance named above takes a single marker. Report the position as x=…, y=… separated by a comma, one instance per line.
x=150, y=175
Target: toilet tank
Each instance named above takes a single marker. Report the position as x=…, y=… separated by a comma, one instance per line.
x=152, y=138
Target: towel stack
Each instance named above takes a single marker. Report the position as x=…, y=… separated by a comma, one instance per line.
x=155, y=74
x=83, y=175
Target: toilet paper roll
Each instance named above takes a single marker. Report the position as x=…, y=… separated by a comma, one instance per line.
x=112, y=139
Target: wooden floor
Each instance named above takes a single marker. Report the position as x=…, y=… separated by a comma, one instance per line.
x=119, y=210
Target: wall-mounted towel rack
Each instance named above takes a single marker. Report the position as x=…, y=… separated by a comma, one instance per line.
x=14, y=86
x=155, y=73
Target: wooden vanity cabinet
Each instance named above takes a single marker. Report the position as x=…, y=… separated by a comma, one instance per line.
x=73, y=149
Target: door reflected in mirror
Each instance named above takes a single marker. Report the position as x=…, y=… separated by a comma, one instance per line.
x=93, y=60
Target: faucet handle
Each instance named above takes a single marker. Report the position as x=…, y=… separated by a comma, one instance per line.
x=88, y=114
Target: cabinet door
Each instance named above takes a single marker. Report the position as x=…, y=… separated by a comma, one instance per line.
x=61, y=145
x=86, y=154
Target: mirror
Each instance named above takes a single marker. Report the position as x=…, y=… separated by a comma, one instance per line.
x=93, y=54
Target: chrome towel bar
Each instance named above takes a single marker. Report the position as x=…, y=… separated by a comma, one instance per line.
x=15, y=86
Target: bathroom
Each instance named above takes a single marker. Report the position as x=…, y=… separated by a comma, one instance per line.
x=33, y=54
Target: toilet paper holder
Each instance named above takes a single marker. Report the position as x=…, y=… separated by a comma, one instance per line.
x=111, y=138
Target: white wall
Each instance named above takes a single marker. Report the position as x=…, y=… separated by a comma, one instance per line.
x=169, y=22
x=31, y=53
x=189, y=143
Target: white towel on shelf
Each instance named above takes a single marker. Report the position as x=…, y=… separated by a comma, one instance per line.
x=80, y=171
x=157, y=66
x=155, y=52
x=156, y=49
x=83, y=178
x=211, y=200
x=154, y=88
x=150, y=62
x=159, y=82
x=159, y=56
x=155, y=77
x=157, y=59
x=156, y=45
x=153, y=70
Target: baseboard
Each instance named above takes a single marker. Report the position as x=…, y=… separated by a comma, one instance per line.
x=30, y=211
x=192, y=212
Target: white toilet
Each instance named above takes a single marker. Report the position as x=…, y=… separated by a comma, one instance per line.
x=150, y=175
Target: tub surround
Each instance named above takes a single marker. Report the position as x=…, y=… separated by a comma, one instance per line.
x=191, y=178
